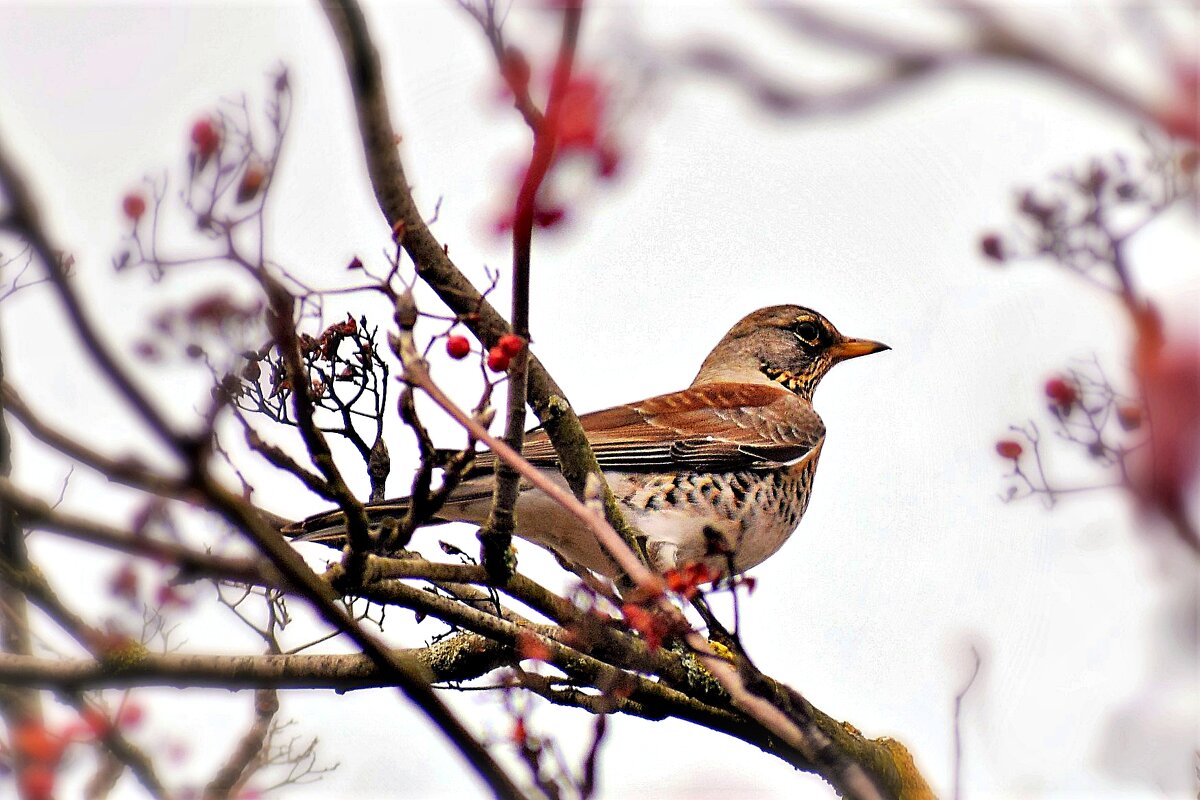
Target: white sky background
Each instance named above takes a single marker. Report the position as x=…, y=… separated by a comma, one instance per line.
x=905, y=558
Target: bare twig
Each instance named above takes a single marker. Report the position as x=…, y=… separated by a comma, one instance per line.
x=977, y=662
x=496, y=533
x=249, y=754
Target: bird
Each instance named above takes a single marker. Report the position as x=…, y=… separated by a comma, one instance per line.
x=719, y=473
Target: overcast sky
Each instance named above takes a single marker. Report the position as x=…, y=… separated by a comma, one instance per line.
x=906, y=557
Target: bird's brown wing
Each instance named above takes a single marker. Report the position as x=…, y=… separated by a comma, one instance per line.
x=721, y=427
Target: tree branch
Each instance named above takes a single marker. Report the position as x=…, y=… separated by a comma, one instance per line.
x=434, y=266
x=497, y=531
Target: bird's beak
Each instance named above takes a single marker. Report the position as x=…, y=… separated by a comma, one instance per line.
x=853, y=348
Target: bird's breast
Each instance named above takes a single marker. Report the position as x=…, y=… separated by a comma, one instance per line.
x=754, y=512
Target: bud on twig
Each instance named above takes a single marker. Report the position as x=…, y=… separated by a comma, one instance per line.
x=485, y=416
x=379, y=466
x=406, y=310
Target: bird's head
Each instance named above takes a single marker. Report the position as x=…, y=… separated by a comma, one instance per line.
x=789, y=345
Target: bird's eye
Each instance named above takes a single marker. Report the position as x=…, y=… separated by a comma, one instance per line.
x=807, y=332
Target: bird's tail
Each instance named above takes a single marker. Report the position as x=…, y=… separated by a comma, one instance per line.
x=469, y=502
x=329, y=528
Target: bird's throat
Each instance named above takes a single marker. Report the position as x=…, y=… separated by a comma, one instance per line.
x=794, y=382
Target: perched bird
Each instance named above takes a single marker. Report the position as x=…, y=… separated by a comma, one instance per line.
x=733, y=455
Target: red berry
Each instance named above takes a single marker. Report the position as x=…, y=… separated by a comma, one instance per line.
x=1007, y=448
x=992, y=247
x=530, y=646
x=206, y=138
x=457, y=347
x=580, y=114
x=95, y=720
x=36, y=782
x=124, y=583
x=252, y=181
x=130, y=715
x=134, y=206
x=497, y=359
x=608, y=161
x=549, y=217
x=1063, y=393
x=33, y=742
x=511, y=344
x=167, y=595
x=1130, y=417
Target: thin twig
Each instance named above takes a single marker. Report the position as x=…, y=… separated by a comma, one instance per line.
x=958, y=704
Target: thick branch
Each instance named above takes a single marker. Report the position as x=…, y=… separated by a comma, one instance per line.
x=17, y=707
x=460, y=658
x=434, y=266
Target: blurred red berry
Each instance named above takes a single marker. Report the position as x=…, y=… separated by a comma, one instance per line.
x=530, y=646
x=134, y=206
x=1062, y=392
x=167, y=596
x=145, y=350
x=1130, y=417
x=579, y=114
x=1181, y=119
x=497, y=359
x=548, y=217
x=124, y=584
x=206, y=139
x=457, y=347
x=511, y=344
x=608, y=161
x=130, y=715
x=95, y=720
x=1007, y=448
x=687, y=580
x=675, y=580
x=213, y=309
x=1165, y=474
x=1180, y=123
x=252, y=181
x=35, y=743
x=519, y=734
x=36, y=782
x=647, y=623
x=992, y=246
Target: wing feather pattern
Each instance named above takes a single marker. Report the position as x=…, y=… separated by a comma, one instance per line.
x=720, y=427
